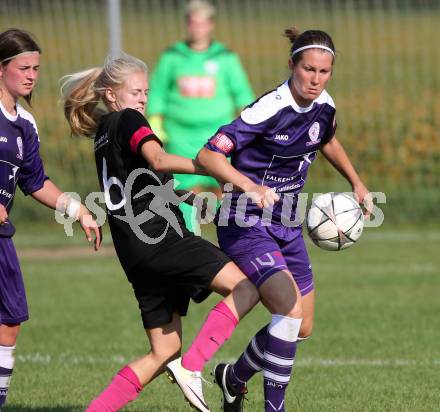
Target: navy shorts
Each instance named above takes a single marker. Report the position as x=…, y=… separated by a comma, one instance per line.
x=261, y=251
x=13, y=303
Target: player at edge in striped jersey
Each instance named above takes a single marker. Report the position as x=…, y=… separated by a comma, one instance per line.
x=21, y=165
x=165, y=271
x=271, y=146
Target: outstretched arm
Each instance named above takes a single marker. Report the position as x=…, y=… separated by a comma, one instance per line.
x=50, y=196
x=218, y=166
x=162, y=161
x=337, y=156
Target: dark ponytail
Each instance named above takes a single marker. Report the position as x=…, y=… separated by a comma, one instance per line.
x=307, y=38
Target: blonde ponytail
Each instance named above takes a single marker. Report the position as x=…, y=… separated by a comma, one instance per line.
x=83, y=93
x=81, y=99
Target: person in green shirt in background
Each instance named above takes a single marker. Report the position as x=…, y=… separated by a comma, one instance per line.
x=197, y=86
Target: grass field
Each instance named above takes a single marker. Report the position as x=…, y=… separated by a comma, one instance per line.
x=375, y=346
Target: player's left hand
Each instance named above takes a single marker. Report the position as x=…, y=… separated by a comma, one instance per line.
x=89, y=225
x=262, y=196
x=363, y=196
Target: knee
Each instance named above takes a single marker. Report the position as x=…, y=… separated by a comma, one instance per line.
x=296, y=311
x=9, y=334
x=287, y=307
x=245, y=296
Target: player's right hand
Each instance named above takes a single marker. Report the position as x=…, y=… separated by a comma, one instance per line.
x=364, y=197
x=89, y=225
x=262, y=196
x=3, y=215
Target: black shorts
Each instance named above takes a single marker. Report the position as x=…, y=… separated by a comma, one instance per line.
x=169, y=275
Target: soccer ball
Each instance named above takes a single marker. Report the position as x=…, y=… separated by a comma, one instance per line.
x=335, y=221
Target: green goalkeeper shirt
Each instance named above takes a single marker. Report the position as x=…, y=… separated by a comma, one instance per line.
x=198, y=89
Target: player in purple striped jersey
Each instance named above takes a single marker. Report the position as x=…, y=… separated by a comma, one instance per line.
x=20, y=164
x=272, y=145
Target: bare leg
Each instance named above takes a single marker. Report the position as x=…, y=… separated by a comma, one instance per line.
x=239, y=292
x=165, y=343
x=308, y=309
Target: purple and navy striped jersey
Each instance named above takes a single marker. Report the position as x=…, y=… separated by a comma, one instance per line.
x=20, y=161
x=274, y=142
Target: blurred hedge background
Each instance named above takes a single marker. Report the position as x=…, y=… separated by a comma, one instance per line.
x=386, y=82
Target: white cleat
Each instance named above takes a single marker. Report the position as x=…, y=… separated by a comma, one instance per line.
x=189, y=382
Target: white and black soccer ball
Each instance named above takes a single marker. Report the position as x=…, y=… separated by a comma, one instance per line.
x=335, y=221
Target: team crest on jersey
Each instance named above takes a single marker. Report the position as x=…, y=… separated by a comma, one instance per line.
x=20, y=148
x=313, y=134
x=223, y=143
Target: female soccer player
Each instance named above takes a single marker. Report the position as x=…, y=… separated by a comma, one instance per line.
x=272, y=145
x=165, y=263
x=20, y=164
x=197, y=85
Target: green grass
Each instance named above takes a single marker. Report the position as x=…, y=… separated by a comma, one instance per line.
x=375, y=344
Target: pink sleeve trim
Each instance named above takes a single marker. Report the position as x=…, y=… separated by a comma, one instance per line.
x=138, y=135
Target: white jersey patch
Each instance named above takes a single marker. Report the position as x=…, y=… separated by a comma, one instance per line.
x=26, y=115
x=266, y=107
x=314, y=132
x=270, y=104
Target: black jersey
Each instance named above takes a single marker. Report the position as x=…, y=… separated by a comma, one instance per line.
x=139, y=215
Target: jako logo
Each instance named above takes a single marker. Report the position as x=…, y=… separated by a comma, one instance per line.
x=281, y=137
x=3, y=139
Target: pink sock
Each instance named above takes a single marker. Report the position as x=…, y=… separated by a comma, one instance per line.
x=124, y=388
x=218, y=327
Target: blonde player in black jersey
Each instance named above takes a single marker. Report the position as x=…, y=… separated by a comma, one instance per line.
x=166, y=264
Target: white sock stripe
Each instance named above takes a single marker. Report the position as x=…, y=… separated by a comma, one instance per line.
x=7, y=357
x=284, y=327
x=276, y=360
x=7, y=348
x=276, y=377
x=4, y=381
x=251, y=363
x=276, y=355
x=257, y=349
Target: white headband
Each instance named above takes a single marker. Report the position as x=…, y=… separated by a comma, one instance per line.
x=313, y=46
x=19, y=54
